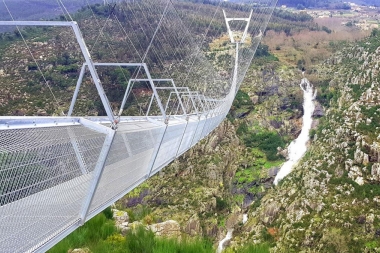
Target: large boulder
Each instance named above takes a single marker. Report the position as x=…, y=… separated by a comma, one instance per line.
x=121, y=220
x=120, y=216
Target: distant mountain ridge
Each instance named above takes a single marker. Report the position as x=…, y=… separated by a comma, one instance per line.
x=40, y=9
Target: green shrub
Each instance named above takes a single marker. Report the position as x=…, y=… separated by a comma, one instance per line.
x=221, y=204
x=241, y=99
x=267, y=142
x=141, y=240
x=108, y=213
x=242, y=129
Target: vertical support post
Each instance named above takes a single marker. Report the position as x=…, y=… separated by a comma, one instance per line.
x=187, y=104
x=155, y=152
x=179, y=98
x=79, y=82
x=176, y=110
x=126, y=94
x=200, y=102
x=228, y=28
x=183, y=135
x=192, y=101
x=98, y=171
x=246, y=27
x=167, y=102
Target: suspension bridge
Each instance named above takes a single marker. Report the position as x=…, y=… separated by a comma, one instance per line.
x=57, y=172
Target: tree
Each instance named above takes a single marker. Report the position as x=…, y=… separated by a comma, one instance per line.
x=374, y=32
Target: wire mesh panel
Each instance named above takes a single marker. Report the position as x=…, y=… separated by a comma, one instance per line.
x=170, y=144
x=198, y=133
x=188, y=135
x=206, y=127
x=44, y=176
x=128, y=161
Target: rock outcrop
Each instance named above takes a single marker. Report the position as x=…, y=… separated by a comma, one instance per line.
x=168, y=228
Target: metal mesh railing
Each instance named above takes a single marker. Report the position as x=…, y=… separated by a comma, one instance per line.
x=54, y=177
x=128, y=162
x=43, y=181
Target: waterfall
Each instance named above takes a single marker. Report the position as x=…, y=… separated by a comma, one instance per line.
x=229, y=235
x=297, y=148
x=226, y=239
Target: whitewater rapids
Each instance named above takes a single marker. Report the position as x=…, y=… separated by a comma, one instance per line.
x=297, y=148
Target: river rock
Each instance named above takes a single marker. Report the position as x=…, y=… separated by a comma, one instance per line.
x=272, y=172
x=282, y=152
x=318, y=110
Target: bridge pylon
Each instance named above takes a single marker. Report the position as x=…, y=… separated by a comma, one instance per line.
x=231, y=33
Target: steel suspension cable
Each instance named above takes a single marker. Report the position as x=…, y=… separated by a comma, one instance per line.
x=64, y=8
x=204, y=38
x=101, y=33
x=34, y=59
x=197, y=55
